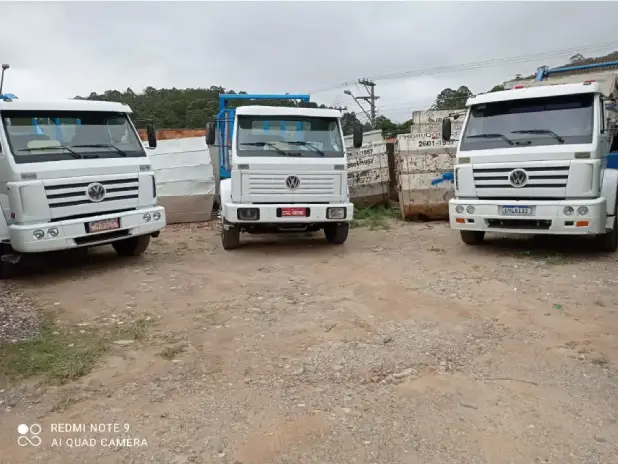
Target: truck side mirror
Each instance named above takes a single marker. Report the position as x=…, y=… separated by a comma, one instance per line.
x=210, y=133
x=152, y=135
x=357, y=136
x=446, y=129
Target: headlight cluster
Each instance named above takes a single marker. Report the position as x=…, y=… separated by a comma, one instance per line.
x=460, y=209
x=40, y=234
x=570, y=211
x=147, y=217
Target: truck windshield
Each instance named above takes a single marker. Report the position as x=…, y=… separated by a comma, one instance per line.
x=564, y=119
x=38, y=136
x=307, y=137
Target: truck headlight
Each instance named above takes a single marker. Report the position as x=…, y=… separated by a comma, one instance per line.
x=459, y=209
x=156, y=215
x=336, y=213
x=582, y=210
x=52, y=232
x=568, y=211
x=248, y=214
x=147, y=217
x=38, y=234
x=470, y=209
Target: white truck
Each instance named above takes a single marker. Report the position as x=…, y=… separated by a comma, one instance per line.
x=287, y=173
x=74, y=173
x=536, y=159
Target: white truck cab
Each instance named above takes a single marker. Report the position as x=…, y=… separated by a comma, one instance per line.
x=74, y=173
x=534, y=160
x=288, y=173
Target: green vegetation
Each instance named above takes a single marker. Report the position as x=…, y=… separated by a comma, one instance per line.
x=58, y=354
x=375, y=217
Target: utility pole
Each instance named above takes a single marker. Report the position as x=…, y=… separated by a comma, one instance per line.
x=340, y=108
x=4, y=68
x=370, y=86
x=371, y=99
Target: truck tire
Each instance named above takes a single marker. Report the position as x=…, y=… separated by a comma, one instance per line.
x=608, y=242
x=133, y=246
x=7, y=270
x=230, y=236
x=336, y=234
x=472, y=237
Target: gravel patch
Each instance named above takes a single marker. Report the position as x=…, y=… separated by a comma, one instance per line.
x=19, y=319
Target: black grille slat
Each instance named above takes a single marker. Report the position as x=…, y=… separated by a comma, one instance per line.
x=86, y=184
x=92, y=239
x=81, y=194
x=535, y=169
x=528, y=224
x=529, y=186
x=89, y=202
x=557, y=176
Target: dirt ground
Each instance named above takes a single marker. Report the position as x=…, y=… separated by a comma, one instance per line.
x=402, y=346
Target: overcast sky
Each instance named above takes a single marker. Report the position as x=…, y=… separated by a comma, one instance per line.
x=59, y=50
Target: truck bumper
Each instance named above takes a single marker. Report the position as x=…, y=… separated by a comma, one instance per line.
x=274, y=214
x=73, y=233
x=547, y=217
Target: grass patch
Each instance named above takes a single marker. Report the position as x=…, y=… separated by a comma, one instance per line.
x=375, y=217
x=59, y=355
x=170, y=352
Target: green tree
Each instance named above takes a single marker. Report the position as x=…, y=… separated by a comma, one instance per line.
x=180, y=108
x=450, y=99
x=497, y=88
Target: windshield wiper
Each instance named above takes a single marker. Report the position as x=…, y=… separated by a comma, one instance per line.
x=54, y=147
x=491, y=136
x=306, y=144
x=539, y=131
x=267, y=144
x=102, y=145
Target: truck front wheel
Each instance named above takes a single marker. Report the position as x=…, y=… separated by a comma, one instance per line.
x=230, y=235
x=608, y=242
x=133, y=246
x=472, y=237
x=336, y=234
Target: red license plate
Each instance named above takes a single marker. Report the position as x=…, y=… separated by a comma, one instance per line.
x=106, y=224
x=287, y=212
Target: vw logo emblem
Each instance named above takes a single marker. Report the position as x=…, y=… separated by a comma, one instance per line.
x=518, y=178
x=96, y=192
x=292, y=182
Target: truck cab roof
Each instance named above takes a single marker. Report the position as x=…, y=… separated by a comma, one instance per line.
x=64, y=105
x=534, y=92
x=258, y=110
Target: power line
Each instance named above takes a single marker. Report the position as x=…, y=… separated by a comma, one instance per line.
x=479, y=64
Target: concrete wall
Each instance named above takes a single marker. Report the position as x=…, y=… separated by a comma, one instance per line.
x=368, y=173
x=422, y=157
x=185, y=175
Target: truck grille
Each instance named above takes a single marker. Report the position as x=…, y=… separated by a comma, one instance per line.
x=275, y=184
x=541, y=181
x=68, y=199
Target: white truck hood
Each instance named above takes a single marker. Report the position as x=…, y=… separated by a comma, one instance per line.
x=82, y=168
